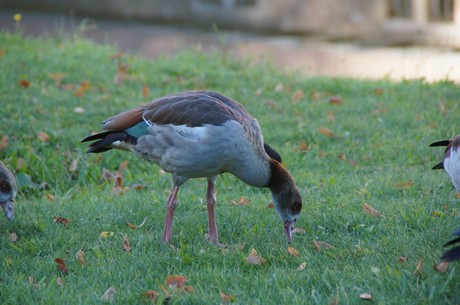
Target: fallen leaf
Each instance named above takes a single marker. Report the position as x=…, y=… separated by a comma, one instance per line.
x=80, y=256
x=365, y=296
x=126, y=244
x=4, y=142
x=244, y=201
x=336, y=100
x=123, y=165
x=108, y=295
x=330, y=116
x=441, y=267
x=227, y=297
x=134, y=226
x=419, y=266
x=254, y=259
x=59, y=281
x=43, y=136
x=57, y=77
x=457, y=195
x=121, y=75
x=297, y=95
x=138, y=187
x=24, y=83
x=405, y=185
x=297, y=230
x=341, y=156
x=271, y=205
x=402, y=259
x=293, y=251
x=176, y=281
x=105, y=234
x=61, y=220
x=2, y=52
x=302, y=266
x=82, y=88
x=151, y=295
x=370, y=210
x=303, y=147
x=353, y=162
x=145, y=91
x=326, y=132
x=321, y=244
x=50, y=197
x=61, y=265
x=32, y=280
x=13, y=237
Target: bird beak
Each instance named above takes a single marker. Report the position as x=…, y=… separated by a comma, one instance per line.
x=288, y=227
x=8, y=208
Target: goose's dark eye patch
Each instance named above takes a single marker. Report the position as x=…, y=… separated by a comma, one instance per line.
x=4, y=187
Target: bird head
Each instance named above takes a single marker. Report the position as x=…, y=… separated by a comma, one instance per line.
x=286, y=197
x=8, y=191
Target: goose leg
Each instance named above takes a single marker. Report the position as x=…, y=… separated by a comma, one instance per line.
x=213, y=236
x=170, y=208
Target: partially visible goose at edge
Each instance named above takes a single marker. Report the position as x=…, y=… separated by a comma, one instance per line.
x=8, y=191
x=451, y=160
x=201, y=134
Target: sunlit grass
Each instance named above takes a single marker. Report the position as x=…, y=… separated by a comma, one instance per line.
x=378, y=155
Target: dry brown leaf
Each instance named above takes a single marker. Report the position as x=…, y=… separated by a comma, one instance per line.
x=419, y=266
x=24, y=83
x=43, y=136
x=271, y=205
x=3, y=143
x=227, y=297
x=32, y=280
x=321, y=244
x=126, y=244
x=176, y=281
x=341, y=156
x=145, y=91
x=365, y=296
x=405, y=185
x=2, y=52
x=108, y=295
x=151, y=295
x=297, y=230
x=457, y=195
x=59, y=282
x=298, y=95
x=302, y=266
x=303, y=147
x=57, y=77
x=138, y=187
x=244, y=201
x=330, y=116
x=123, y=165
x=370, y=210
x=50, y=197
x=80, y=256
x=61, y=220
x=336, y=100
x=254, y=259
x=326, y=132
x=61, y=266
x=84, y=86
x=13, y=237
x=293, y=251
x=402, y=259
x=441, y=267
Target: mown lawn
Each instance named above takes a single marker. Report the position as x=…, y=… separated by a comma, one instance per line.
x=346, y=142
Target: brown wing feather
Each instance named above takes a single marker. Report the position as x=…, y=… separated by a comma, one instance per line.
x=124, y=120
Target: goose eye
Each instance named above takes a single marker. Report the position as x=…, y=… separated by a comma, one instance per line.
x=5, y=187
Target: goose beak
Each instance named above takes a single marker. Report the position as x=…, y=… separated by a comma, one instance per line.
x=288, y=227
x=8, y=208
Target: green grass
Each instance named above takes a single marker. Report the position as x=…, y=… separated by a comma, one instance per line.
x=382, y=132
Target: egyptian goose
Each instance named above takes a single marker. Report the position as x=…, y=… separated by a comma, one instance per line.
x=453, y=253
x=8, y=191
x=451, y=161
x=201, y=134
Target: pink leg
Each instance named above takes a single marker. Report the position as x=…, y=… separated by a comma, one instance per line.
x=213, y=236
x=170, y=208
